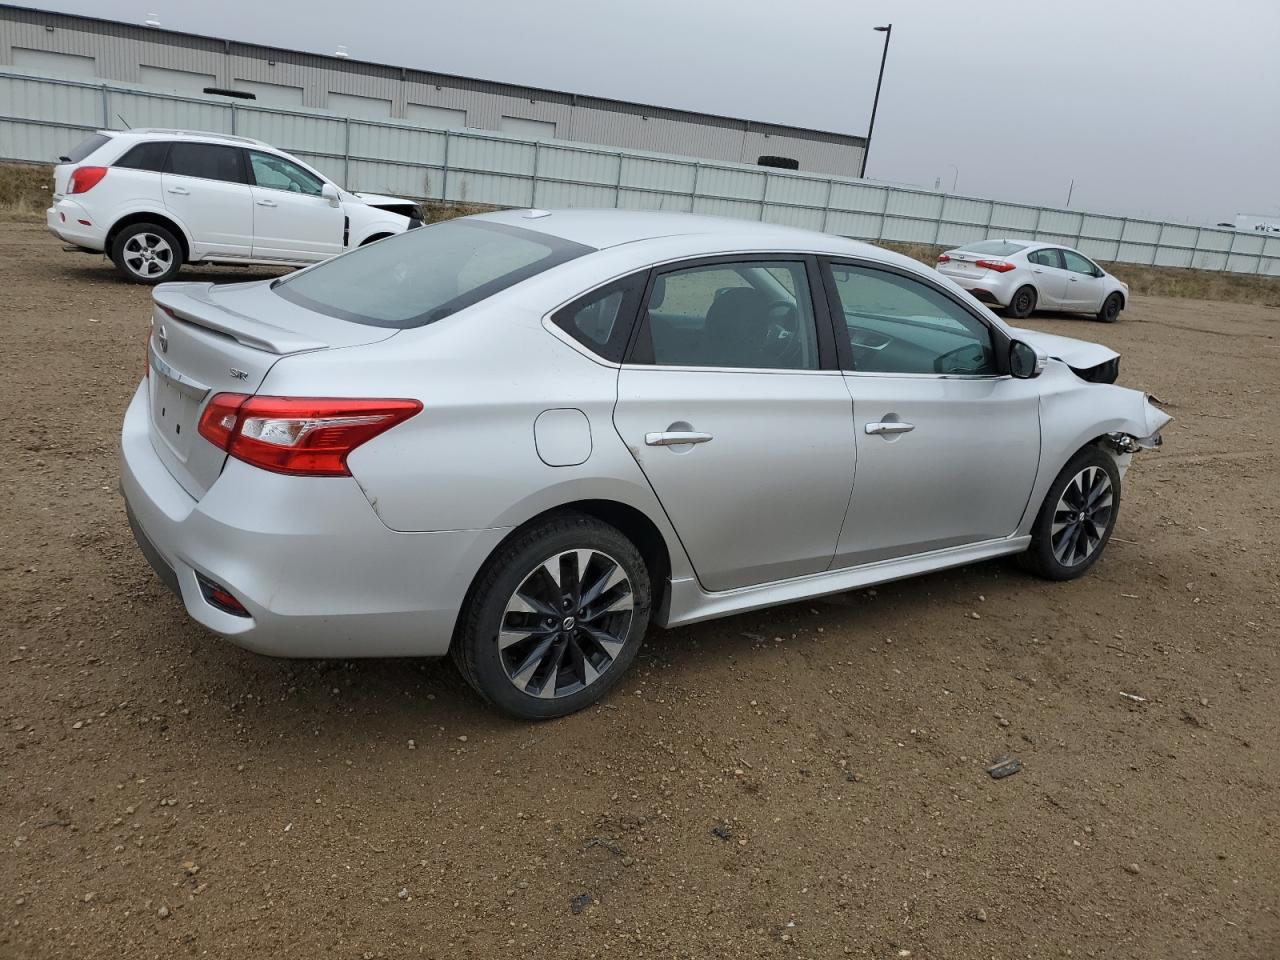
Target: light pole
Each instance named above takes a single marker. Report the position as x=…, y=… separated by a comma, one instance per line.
x=871, y=127
x=956, y=178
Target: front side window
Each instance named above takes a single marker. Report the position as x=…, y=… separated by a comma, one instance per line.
x=145, y=156
x=1078, y=264
x=755, y=314
x=602, y=320
x=897, y=324
x=426, y=274
x=277, y=173
x=209, y=161
x=1046, y=258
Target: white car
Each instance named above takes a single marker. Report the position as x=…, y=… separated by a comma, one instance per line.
x=154, y=199
x=1022, y=275
x=521, y=437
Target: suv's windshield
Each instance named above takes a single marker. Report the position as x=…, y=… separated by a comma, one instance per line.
x=426, y=274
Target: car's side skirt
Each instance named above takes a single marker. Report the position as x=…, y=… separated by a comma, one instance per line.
x=687, y=602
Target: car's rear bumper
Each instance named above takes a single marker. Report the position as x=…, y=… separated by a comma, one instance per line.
x=316, y=570
x=994, y=288
x=71, y=223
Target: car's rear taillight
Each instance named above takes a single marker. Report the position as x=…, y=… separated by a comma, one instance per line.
x=84, y=179
x=999, y=266
x=944, y=258
x=307, y=436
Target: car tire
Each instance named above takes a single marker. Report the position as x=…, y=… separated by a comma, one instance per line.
x=1111, y=308
x=1022, y=302
x=146, y=253
x=1063, y=544
x=535, y=584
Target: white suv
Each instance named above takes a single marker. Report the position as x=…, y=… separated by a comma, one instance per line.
x=153, y=200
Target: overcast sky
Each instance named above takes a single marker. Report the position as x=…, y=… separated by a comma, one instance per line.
x=1162, y=108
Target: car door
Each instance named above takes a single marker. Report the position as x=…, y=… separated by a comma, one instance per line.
x=731, y=403
x=205, y=186
x=291, y=220
x=948, y=443
x=1084, y=282
x=1051, y=277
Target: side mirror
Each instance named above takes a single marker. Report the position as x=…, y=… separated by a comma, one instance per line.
x=330, y=193
x=1025, y=361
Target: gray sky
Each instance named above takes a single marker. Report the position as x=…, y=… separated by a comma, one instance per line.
x=1162, y=108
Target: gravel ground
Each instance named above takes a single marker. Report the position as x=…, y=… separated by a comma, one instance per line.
x=803, y=782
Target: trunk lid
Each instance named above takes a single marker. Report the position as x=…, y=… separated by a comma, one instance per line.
x=963, y=264
x=208, y=339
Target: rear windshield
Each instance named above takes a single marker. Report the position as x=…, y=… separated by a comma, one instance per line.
x=424, y=275
x=999, y=248
x=84, y=148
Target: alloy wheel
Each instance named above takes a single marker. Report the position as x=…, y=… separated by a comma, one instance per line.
x=1082, y=516
x=148, y=255
x=566, y=623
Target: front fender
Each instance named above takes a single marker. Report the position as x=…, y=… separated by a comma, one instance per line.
x=1074, y=413
x=366, y=222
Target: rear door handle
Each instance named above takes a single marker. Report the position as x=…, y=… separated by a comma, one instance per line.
x=889, y=426
x=180, y=191
x=674, y=437
x=267, y=203
x=1037, y=271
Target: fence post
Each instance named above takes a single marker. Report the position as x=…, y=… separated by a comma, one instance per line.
x=106, y=108
x=533, y=180
x=346, y=152
x=617, y=186
x=826, y=204
x=884, y=212
x=444, y=179
x=764, y=194
x=1035, y=230
x=1226, y=261
x=233, y=118
x=1155, y=254
x=693, y=193
x=991, y=215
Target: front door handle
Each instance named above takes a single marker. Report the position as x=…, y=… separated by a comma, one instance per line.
x=889, y=426
x=267, y=203
x=180, y=191
x=674, y=438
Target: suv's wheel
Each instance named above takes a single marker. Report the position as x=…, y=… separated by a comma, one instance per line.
x=1022, y=302
x=146, y=253
x=1077, y=517
x=555, y=617
x=1111, y=308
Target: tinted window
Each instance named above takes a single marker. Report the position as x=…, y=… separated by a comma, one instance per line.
x=145, y=156
x=281, y=174
x=1078, y=264
x=755, y=314
x=999, y=248
x=210, y=161
x=426, y=274
x=602, y=320
x=84, y=148
x=900, y=325
x=1046, y=258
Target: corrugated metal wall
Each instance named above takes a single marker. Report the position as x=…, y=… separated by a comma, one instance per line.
x=40, y=118
x=130, y=54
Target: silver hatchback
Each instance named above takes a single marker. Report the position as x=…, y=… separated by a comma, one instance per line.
x=521, y=438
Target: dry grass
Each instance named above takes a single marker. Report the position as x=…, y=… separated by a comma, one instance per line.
x=25, y=189
x=1158, y=281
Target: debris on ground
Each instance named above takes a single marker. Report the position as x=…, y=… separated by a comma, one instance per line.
x=1004, y=767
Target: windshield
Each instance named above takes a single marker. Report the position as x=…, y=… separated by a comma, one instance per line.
x=998, y=248
x=426, y=274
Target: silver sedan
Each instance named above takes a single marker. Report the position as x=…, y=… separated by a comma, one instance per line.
x=521, y=438
x=1021, y=276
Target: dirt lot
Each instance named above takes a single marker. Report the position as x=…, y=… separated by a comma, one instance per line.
x=167, y=795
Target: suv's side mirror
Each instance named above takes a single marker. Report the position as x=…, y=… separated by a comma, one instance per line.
x=1025, y=361
x=330, y=193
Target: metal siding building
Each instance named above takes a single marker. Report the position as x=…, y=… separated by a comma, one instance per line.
x=85, y=48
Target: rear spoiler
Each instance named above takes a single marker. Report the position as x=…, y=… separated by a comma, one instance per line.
x=190, y=302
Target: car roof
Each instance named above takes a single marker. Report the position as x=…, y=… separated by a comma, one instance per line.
x=167, y=133
x=609, y=228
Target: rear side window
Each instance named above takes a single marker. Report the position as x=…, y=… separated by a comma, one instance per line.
x=84, y=148
x=145, y=156
x=997, y=248
x=602, y=320
x=426, y=274
x=1046, y=258
x=209, y=161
